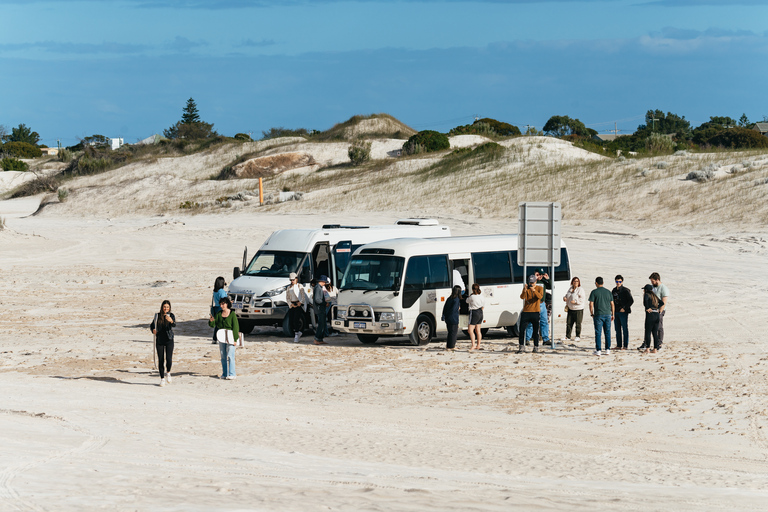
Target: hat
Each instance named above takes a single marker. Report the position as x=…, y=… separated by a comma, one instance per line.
x=531, y=279
x=648, y=288
x=292, y=276
x=323, y=279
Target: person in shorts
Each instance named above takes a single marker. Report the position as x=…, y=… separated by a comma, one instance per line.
x=476, y=303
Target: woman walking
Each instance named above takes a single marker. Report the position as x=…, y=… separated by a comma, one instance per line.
x=575, y=300
x=451, y=317
x=162, y=327
x=226, y=319
x=476, y=303
x=218, y=293
x=653, y=309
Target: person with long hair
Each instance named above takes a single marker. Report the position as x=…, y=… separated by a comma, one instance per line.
x=476, y=303
x=451, y=316
x=219, y=292
x=162, y=327
x=654, y=307
x=226, y=319
x=574, y=304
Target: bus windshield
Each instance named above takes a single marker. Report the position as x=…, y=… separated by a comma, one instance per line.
x=373, y=272
x=275, y=263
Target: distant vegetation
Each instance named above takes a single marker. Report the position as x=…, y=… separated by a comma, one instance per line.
x=21, y=150
x=359, y=152
x=13, y=164
x=426, y=141
x=190, y=127
x=387, y=126
x=487, y=127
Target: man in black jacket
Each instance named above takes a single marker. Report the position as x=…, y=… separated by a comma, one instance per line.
x=622, y=299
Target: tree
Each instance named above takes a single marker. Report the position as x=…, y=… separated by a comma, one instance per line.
x=426, y=141
x=21, y=150
x=22, y=133
x=560, y=126
x=701, y=134
x=190, y=114
x=657, y=121
x=3, y=133
x=744, y=121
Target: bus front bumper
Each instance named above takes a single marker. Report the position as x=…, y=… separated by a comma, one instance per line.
x=394, y=328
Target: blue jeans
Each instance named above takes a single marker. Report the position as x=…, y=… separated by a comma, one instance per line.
x=543, y=325
x=227, y=359
x=621, y=324
x=602, y=323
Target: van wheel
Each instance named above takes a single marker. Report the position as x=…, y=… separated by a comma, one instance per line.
x=246, y=326
x=422, y=331
x=287, y=331
x=367, y=339
x=513, y=331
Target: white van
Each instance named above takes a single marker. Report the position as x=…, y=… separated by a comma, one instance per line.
x=258, y=294
x=398, y=287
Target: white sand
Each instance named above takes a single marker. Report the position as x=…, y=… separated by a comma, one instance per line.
x=84, y=426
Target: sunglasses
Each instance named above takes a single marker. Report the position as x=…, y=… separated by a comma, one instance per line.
x=619, y=281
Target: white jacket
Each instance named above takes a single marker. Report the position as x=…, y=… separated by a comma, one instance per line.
x=576, y=299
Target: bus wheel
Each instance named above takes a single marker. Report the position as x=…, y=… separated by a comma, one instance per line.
x=422, y=331
x=246, y=327
x=367, y=339
x=512, y=330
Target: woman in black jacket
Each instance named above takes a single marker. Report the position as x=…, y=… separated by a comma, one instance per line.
x=162, y=327
x=451, y=316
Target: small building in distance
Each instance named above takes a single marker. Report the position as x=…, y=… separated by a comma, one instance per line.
x=115, y=143
x=762, y=128
x=608, y=137
x=50, y=151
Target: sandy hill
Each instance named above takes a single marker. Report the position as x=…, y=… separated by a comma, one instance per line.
x=371, y=126
x=651, y=191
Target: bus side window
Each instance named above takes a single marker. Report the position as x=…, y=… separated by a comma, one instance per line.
x=492, y=268
x=427, y=273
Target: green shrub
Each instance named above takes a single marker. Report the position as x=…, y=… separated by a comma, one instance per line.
x=659, y=143
x=13, y=164
x=63, y=194
x=279, y=131
x=189, y=205
x=426, y=141
x=737, y=138
x=22, y=150
x=243, y=137
x=359, y=152
x=65, y=155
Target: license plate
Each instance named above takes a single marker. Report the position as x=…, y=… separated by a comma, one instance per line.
x=359, y=325
x=237, y=305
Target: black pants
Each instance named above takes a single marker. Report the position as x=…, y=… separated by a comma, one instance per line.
x=533, y=319
x=652, y=324
x=575, y=316
x=296, y=319
x=164, y=356
x=453, y=332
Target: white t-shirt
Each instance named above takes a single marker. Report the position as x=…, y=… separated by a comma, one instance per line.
x=476, y=301
x=457, y=280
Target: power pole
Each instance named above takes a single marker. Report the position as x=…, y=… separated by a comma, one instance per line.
x=528, y=129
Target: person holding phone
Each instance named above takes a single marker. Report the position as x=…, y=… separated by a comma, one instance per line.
x=532, y=296
x=162, y=327
x=226, y=319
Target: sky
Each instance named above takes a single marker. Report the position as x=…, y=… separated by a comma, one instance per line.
x=125, y=68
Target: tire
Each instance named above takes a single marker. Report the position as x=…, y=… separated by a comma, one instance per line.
x=422, y=331
x=367, y=339
x=287, y=331
x=513, y=331
x=246, y=326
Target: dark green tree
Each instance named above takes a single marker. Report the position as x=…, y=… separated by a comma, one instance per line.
x=659, y=122
x=190, y=115
x=22, y=133
x=704, y=132
x=560, y=126
x=744, y=121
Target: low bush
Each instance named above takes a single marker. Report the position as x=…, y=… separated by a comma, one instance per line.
x=659, y=143
x=243, y=137
x=426, y=141
x=65, y=155
x=279, y=131
x=41, y=183
x=737, y=138
x=21, y=150
x=359, y=152
x=63, y=194
x=13, y=164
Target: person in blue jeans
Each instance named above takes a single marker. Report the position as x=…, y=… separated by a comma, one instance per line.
x=542, y=280
x=622, y=305
x=602, y=310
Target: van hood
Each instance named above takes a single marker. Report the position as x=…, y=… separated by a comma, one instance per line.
x=257, y=285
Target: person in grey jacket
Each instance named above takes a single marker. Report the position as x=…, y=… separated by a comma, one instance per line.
x=318, y=301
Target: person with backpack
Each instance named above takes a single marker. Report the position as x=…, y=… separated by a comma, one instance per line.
x=622, y=303
x=654, y=308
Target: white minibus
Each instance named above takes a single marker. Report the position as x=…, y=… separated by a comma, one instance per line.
x=398, y=287
x=258, y=293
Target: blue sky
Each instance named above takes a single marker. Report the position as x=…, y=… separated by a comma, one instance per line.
x=124, y=68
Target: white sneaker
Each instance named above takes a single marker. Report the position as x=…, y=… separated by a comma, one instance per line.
x=597, y=353
x=333, y=334
x=231, y=377
x=168, y=378
x=565, y=339
x=607, y=352
x=577, y=339
x=162, y=383
x=296, y=337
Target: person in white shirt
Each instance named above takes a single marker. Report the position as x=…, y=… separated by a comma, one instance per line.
x=297, y=298
x=575, y=300
x=476, y=303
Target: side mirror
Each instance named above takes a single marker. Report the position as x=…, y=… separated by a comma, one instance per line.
x=236, y=273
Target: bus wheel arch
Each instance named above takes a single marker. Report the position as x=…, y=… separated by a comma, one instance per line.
x=423, y=330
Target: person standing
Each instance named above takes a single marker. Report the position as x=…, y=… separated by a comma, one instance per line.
x=602, y=310
x=297, y=298
x=622, y=303
x=543, y=281
x=227, y=319
x=575, y=300
x=162, y=327
x=475, y=303
x=654, y=308
x=451, y=317
x=219, y=292
x=532, y=295
x=318, y=301
x=331, y=299
x=661, y=291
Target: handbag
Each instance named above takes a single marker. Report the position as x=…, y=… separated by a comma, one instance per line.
x=228, y=336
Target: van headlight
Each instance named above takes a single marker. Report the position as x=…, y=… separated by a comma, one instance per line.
x=387, y=317
x=276, y=291
x=341, y=314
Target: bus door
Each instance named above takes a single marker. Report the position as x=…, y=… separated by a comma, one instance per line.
x=427, y=286
x=322, y=258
